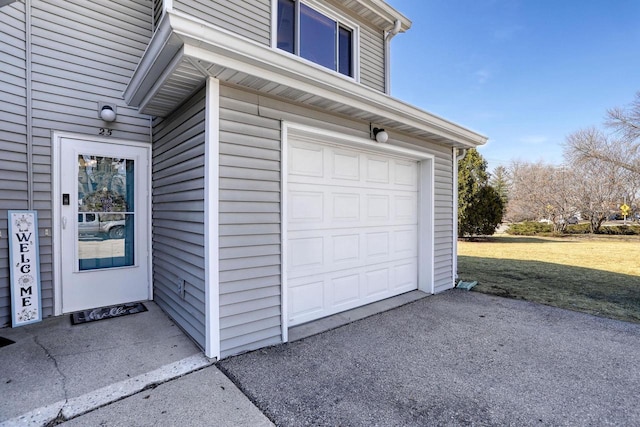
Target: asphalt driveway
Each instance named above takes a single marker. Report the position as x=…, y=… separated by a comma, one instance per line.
x=457, y=358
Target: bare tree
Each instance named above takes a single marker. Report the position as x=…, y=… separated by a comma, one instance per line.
x=622, y=148
x=523, y=204
x=542, y=191
x=600, y=189
x=626, y=121
x=631, y=194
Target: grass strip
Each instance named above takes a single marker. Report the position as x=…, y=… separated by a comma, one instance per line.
x=598, y=275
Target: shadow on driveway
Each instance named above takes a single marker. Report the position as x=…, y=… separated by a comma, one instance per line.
x=457, y=358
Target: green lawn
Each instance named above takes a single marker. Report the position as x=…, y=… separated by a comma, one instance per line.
x=594, y=274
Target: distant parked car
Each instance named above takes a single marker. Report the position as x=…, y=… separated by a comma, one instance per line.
x=101, y=225
x=546, y=221
x=570, y=221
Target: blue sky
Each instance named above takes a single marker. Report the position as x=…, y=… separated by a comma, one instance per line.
x=525, y=73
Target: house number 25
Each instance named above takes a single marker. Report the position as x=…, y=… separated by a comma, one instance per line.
x=105, y=132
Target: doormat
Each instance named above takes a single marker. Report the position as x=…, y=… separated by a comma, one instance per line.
x=106, y=313
x=5, y=342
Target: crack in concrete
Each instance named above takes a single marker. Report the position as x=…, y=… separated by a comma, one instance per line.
x=55, y=363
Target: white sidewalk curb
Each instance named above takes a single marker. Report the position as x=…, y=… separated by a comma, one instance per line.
x=89, y=401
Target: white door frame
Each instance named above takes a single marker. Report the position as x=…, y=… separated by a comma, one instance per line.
x=56, y=199
x=426, y=201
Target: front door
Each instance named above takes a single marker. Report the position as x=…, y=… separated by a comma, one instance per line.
x=104, y=228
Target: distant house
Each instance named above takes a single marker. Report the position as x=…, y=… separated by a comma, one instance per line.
x=232, y=147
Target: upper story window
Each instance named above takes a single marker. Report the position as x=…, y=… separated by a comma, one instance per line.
x=317, y=36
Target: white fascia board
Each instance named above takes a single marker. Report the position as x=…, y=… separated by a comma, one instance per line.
x=226, y=49
x=201, y=41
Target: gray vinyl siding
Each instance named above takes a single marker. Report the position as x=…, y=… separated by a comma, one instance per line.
x=13, y=139
x=250, y=251
x=178, y=216
x=248, y=18
x=252, y=19
x=443, y=211
x=372, y=58
x=82, y=52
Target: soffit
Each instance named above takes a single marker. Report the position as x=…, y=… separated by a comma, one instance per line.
x=377, y=12
x=6, y=2
x=183, y=53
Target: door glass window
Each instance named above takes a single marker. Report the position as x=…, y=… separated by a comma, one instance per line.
x=105, y=212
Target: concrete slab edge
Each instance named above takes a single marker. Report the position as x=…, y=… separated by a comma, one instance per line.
x=66, y=410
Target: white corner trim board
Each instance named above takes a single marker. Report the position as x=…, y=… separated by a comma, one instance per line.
x=211, y=224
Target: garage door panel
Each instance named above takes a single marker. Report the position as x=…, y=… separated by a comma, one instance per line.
x=405, y=242
x=377, y=246
x=335, y=207
x=306, y=206
x=352, y=229
x=345, y=166
x=378, y=207
x=345, y=207
x=307, y=300
x=376, y=283
x=306, y=253
x=377, y=170
x=313, y=252
x=406, y=174
x=405, y=208
x=404, y=277
x=345, y=290
x=345, y=249
x=306, y=160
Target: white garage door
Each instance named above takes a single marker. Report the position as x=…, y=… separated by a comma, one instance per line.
x=352, y=227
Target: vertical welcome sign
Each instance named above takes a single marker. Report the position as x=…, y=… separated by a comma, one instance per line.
x=24, y=260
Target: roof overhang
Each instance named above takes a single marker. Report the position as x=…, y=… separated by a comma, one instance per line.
x=185, y=51
x=377, y=12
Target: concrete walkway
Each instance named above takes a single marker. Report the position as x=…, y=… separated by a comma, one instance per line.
x=55, y=372
x=456, y=358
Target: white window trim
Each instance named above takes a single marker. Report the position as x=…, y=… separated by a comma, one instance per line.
x=426, y=201
x=329, y=13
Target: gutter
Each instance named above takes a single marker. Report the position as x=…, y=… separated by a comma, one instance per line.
x=387, y=55
x=462, y=155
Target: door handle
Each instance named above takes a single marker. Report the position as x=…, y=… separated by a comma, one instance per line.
x=64, y=222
